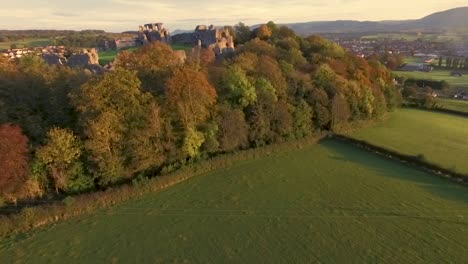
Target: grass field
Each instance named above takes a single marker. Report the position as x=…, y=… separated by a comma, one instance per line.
x=452, y=104
x=25, y=43
x=441, y=138
x=330, y=203
x=437, y=75
x=105, y=57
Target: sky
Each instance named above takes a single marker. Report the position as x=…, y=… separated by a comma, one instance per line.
x=123, y=15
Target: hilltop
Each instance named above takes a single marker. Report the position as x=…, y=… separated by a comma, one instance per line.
x=450, y=20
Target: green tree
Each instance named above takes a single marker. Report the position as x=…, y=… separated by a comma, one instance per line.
x=61, y=157
x=193, y=141
x=243, y=33
x=303, y=114
x=237, y=88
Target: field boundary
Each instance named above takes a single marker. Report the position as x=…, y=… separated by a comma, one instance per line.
x=438, y=109
x=73, y=206
x=414, y=161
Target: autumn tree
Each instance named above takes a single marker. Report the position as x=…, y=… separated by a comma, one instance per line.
x=116, y=116
x=13, y=159
x=191, y=95
x=154, y=64
x=263, y=32
x=233, y=128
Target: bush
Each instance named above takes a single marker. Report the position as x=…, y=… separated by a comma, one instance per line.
x=69, y=201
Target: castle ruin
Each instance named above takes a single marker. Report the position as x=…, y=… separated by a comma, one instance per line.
x=218, y=39
x=153, y=32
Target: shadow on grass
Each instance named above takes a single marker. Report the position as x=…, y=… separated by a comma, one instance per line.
x=443, y=188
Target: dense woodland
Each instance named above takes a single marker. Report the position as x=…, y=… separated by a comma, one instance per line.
x=67, y=131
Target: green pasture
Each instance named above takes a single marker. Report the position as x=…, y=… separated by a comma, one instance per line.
x=329, y=203
x=453, y=104
x=438, y=75
x=26, y=43
x=105, y=57
x=439, y=138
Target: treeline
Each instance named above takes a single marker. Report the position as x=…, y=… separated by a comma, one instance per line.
x=15, y=35
x=85, y=39
x=65, y=131
x=453, y=63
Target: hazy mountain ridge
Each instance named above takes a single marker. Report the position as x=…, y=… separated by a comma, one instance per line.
x=450, y=20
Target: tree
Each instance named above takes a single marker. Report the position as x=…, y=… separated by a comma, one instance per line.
x=233, y=129
x=61, y=157
x=243, y=33
x=263, y=32
x=340, y=111
x=154, y=64
x=269, y=68
x=191, y=95
x=319, y=101
x=325, y=78
x=259, y=47
x=302, y=116
x=237, y=89
x=13, y=159
x=115, y=113
x=193, y=141
x=409, y=91
x=282, y=121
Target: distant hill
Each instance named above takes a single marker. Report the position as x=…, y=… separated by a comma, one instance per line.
x=450, y=20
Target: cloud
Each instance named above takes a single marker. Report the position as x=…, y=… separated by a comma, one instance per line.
x=120, y=15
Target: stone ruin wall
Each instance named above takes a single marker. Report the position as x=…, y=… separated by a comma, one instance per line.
x=152, y=33
x=218, y=39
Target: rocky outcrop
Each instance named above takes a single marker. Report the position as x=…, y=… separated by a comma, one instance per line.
x=85, y=59
x=53, y=59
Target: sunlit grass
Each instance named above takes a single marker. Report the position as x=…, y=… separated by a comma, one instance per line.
x=441, y=138
x=329, y=203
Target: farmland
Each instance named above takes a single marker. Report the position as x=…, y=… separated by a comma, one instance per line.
x=25, y=43
x=452, y=104
x=329, y=203
x=440, y=138
x=437, y=75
